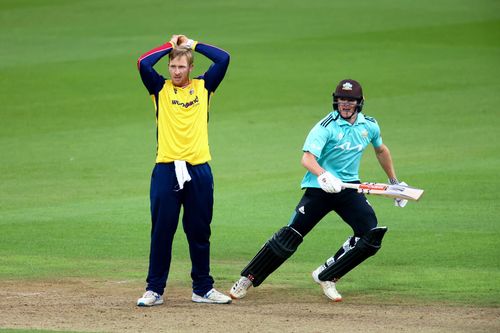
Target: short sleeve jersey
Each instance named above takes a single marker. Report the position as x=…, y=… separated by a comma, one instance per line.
x=339, y=145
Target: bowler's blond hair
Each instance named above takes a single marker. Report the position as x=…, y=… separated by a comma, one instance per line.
x=180, y=52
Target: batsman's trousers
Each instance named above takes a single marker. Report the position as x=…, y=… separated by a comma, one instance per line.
x=166, y=200
x=350, y=205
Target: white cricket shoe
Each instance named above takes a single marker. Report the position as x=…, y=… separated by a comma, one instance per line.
x=329, y=288
x=150, y=298
x=213, y=297
x=240, y=288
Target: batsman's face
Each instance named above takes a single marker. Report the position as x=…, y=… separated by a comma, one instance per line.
x=179, y=70
x=347, y=107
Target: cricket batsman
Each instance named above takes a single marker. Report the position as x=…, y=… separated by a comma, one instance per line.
x=331, y=154
x=182, y=176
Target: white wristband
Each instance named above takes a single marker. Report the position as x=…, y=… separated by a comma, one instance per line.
x=189, y=43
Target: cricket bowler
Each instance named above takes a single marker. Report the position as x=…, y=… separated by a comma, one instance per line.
x=182, y=176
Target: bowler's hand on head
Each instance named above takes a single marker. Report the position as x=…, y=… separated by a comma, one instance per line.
x=186, y=42
x=182, y=40
x=174, y=40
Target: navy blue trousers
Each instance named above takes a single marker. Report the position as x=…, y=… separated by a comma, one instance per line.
x=166, y=200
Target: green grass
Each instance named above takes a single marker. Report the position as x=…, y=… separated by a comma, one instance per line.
x=77, y=136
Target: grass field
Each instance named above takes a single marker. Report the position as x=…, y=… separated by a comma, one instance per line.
x=77, y=136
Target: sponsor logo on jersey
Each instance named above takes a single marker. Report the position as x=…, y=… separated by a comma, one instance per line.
x=187, y=104
x=347, y=146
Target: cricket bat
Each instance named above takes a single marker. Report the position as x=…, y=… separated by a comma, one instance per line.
x=392, y=191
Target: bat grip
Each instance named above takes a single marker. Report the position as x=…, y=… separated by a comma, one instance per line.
x=350, y=185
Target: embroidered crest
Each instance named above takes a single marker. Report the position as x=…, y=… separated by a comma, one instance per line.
x=347, y=86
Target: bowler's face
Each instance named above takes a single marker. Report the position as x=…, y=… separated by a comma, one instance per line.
x=179, y=70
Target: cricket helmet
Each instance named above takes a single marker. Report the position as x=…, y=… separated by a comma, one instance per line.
x=349, y=89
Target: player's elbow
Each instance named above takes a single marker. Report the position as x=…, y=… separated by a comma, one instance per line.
x=145, y=63
x=224, y=60
x=303, y=162
x=141, y=64
x=306, y=159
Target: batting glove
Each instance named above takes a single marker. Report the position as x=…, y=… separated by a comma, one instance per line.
x=329, y=183
x=398, y=202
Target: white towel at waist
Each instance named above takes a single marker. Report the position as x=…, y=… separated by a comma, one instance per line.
x=181, y=172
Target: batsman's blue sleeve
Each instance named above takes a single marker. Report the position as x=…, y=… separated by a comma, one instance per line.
x=213, y=77
x=316, y=140
x=376, y=138
x=151, y=79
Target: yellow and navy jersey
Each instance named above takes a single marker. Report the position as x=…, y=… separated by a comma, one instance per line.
x=182, y=116
x=182, y=112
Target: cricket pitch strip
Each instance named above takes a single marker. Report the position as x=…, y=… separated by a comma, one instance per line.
x=85, y=305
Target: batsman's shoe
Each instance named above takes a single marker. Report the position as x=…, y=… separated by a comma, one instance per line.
x=150, y=298
x=328, y=287
x=213, y=297
x=240, y=288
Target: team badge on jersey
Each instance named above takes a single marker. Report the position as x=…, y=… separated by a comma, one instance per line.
x=364, y=133
x=191, y=91
x=340, y=136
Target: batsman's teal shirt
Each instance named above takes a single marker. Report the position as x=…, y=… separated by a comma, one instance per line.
x=339, y=145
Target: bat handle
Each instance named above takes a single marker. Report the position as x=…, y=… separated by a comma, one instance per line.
x=350, y=185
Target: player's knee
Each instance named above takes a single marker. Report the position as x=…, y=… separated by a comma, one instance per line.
x=371, y=241
x=285, y=242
